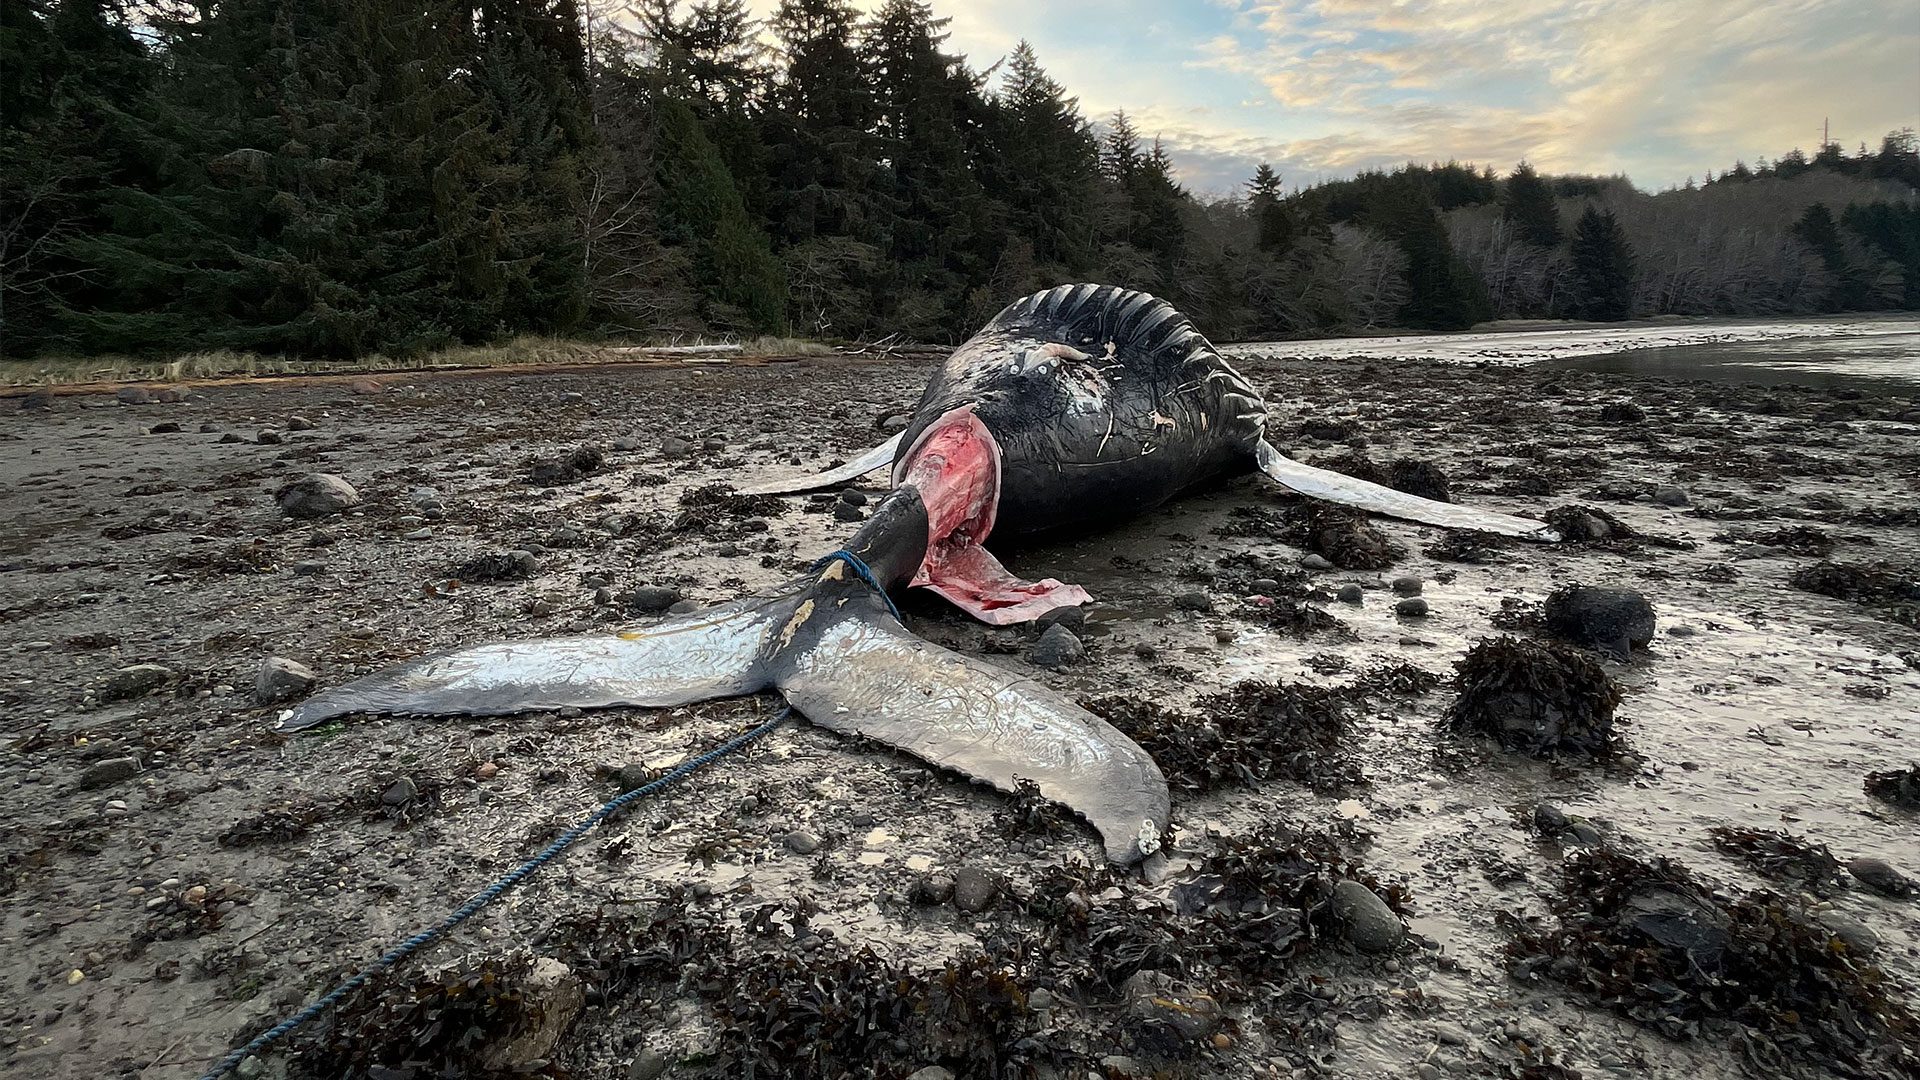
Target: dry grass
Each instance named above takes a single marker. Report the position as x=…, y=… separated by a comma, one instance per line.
x=225, y=363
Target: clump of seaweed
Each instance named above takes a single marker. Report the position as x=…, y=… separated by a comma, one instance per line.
x=1467, y=546
x=1793, y=539
x=1268, y=897
x=1591, y=525
x=1415, y=476
x=1781, y=856
x=1540, y=697
x=1294, y=617
x=446, y=1023
x=1346, y=538
x=1654, y=944
x=1243, y=736
x=1026, y=812
x=568, y=468
x=496, y=566
x=1895, y=591
x=289, y=821
x=244, y=557
x=1396, y=678
x=706, y=509
x=1901, y=787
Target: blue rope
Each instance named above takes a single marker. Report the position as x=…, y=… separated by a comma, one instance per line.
x=865, y=573
x=487, y=896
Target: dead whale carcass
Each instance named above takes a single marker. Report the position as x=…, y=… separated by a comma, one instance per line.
x=1073, y=406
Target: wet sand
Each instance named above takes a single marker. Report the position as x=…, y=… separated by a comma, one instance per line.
x=1758, y=705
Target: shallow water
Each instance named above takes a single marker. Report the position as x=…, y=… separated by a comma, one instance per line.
x=1879, y=363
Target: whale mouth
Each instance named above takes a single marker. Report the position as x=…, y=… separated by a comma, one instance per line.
x=955, y=465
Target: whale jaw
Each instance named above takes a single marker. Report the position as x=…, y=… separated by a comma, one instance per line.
x=955, y=466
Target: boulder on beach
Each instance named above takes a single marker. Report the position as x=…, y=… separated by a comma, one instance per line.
x=316, y=495
x=1611, y=620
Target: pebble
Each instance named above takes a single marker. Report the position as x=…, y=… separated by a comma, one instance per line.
x=134, y=395
x=1860, y=937
x=652, y=599
x=1371, y=925
x=1265, y=586
x=365, y=386
x=801, y=842
x=134, y=681
x=1057, y=648
x=487, y=770
x=316, y=495
x=932, y=889
x=714, y=445
x=1427, y=1070
x=1408, y=585
x=76, y=977
x=400, y=792
x=1194, y=600
x=418, y=534
x=1413, y=607
x=1550, y=819
x=846, y=511
x=1040, y=1000
x=195, y=896
x=300, y=423
x=280, y=679
x=931, y=1072
x=109, y=772
x=268, y=437
x=1311, y=561
x=895, y=422
x=648, y=1064
x=974, y=889
x=166, y=428
x=1671, y=496
x=675, y=448
x=683, y=607
x=853, y=497
x=1881, y=877
x=1450, y=1034
x=309, y=568
x=1351, y=594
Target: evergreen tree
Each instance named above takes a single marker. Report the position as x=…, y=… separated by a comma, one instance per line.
x=701, y=212
x=1892, y=229
x=941, y=227
x=69, y=75
x=1530, y=208
x=1847, y=287
x=1602, y=267
x=1442, y=294
x=1273, y=221
x=1043, y=164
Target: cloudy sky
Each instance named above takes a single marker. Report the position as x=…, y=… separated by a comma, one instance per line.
x=1658, y=89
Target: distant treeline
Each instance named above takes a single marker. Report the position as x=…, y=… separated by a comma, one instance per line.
x=337, y=177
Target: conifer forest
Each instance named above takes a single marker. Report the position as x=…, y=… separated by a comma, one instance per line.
x=335, y=178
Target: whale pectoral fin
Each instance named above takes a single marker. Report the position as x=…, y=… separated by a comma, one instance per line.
x=877, y=458
x=695, y=657
x=1340, y=488
x=866, y=676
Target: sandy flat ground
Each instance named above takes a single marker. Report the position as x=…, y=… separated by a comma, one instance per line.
x=1758, y=705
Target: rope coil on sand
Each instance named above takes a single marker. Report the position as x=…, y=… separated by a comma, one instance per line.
x=514, y=877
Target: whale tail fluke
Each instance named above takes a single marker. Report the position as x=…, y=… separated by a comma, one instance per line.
x=701, y=655
x=865, y=675
x=831, y=644
x=877, y=458
x=1340, y=488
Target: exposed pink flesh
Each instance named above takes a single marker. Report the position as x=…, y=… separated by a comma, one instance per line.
x=955, y=464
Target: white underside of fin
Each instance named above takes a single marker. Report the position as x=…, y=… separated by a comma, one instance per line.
x=1340, y=488
x=877, y=458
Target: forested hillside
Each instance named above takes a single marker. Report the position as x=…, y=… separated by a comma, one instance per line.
x=337, y=177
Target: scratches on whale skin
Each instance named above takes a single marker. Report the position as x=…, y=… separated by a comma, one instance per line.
x=800, y=616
